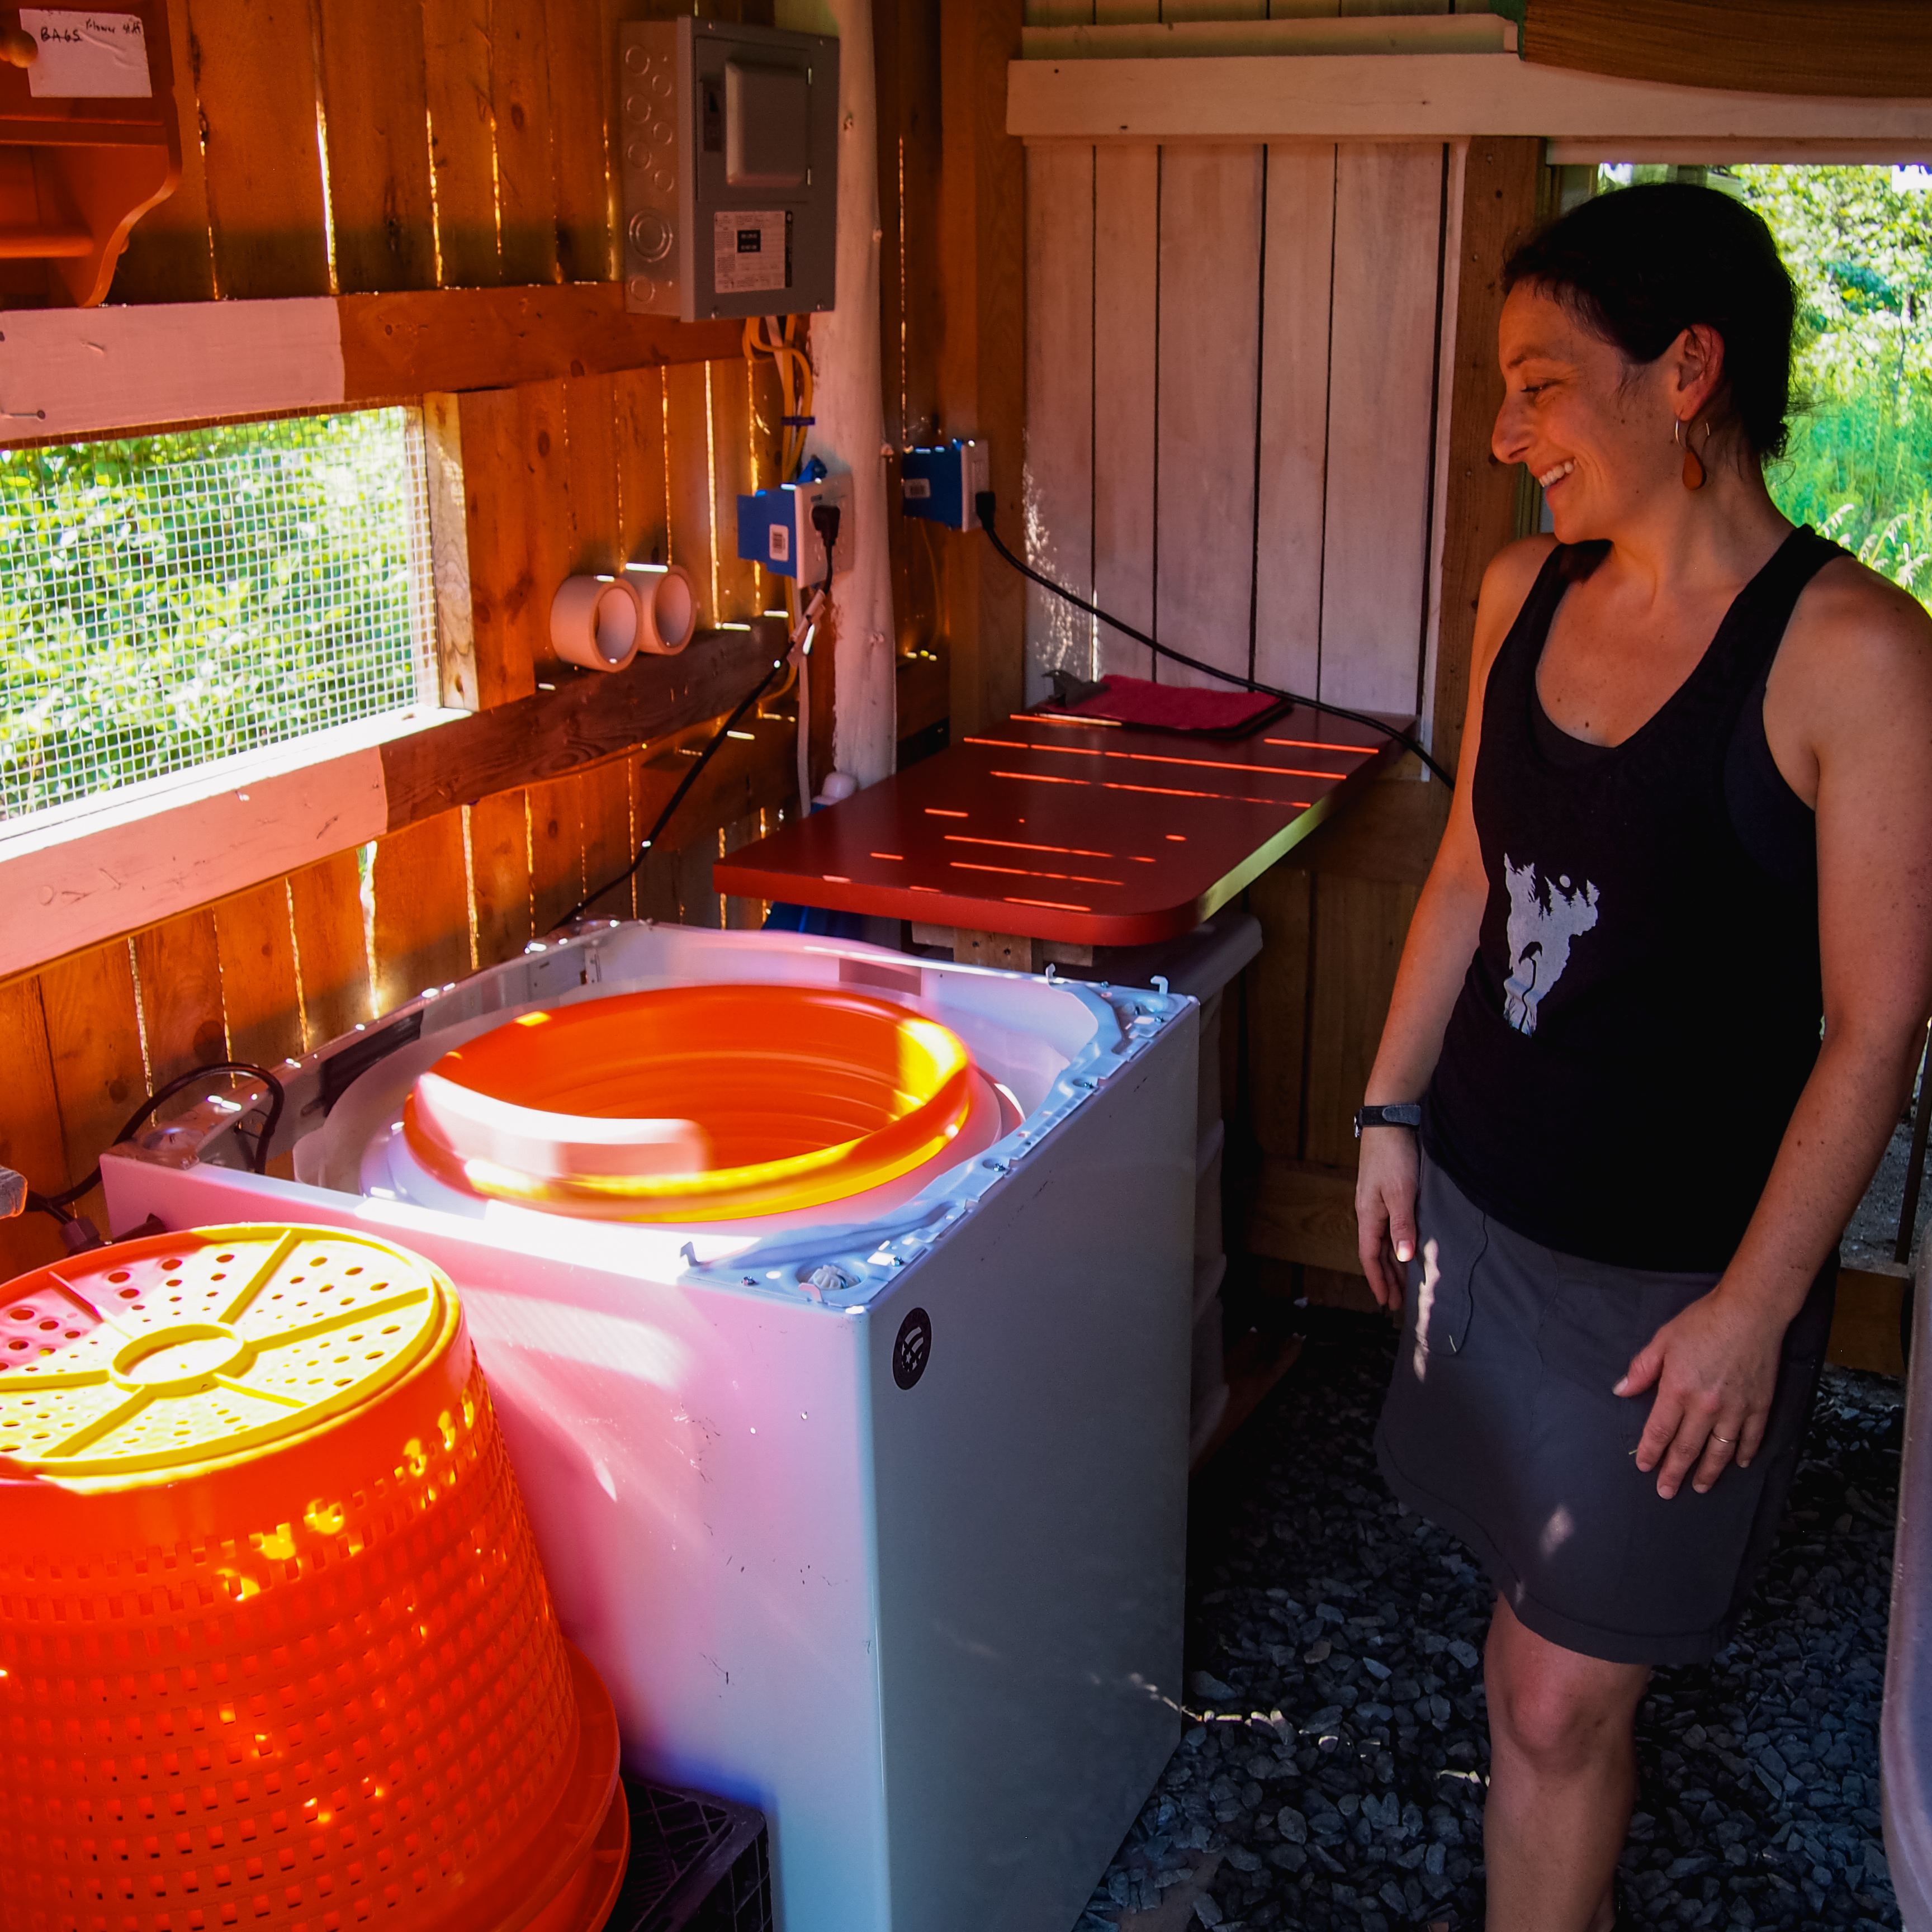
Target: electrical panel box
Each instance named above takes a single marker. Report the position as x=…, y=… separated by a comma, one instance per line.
x=729, y=155
x=775, y=529
x=939, y=482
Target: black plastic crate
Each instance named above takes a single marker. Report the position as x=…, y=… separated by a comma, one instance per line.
x=698, y=1864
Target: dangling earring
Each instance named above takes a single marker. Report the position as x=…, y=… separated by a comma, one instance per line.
x=1694, y=469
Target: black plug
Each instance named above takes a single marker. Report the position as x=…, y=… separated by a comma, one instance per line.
x=825, y=521
x=983, y=506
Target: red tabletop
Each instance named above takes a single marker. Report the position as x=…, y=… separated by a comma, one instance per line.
x=1052, y=828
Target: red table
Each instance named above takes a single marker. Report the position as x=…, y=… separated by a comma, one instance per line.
x=1059, y=829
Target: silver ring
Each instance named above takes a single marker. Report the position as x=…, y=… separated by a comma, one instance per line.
x=1726, y=1440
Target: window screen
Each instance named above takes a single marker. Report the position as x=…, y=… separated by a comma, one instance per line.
x=168, y=600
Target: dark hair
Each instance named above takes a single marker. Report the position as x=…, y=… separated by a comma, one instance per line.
x=1640, y=266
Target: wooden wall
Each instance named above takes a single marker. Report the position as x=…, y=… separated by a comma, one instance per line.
x=463, y=146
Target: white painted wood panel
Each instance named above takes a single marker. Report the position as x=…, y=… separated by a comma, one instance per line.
x=1452, y=269
x=1293, y=469
x=1127, y=276
x=1211, y=235
x=1059, y=408
x=78, y=372
x=1381, y=374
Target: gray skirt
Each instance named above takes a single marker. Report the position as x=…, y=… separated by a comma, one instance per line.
x=1500, y=1427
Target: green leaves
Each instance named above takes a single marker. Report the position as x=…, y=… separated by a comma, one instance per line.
x=167, y=600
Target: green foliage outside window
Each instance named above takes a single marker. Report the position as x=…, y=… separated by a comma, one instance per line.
x=167, y=600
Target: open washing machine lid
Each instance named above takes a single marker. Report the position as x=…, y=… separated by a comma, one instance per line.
x=700, y=1104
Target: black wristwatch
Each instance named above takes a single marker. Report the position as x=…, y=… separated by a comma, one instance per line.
x=1403, y=1113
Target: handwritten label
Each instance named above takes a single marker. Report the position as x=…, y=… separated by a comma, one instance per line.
x=87, y=56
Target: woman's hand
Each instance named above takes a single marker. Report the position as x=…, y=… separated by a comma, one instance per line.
x=1714, y=1368
x=1385, y=1183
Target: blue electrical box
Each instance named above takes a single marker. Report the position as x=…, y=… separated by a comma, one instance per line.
x=775, y=529
x=940, y=481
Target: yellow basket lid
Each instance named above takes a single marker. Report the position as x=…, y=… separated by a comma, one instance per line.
x=135, y=1362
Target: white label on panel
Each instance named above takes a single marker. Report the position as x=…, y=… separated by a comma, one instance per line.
x=751, y=250
x=87, y=55
x=915, y=489
x=781, y=543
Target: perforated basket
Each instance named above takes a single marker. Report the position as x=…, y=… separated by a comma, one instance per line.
x=275, y=1646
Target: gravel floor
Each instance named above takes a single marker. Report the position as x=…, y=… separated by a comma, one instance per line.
x=1333, y=1773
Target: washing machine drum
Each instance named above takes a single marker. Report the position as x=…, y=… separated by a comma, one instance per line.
x=701, y=1104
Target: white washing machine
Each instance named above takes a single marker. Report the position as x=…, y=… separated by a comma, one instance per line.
x=872, y=1517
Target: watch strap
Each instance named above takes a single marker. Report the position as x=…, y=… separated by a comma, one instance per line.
x=1402, y=1114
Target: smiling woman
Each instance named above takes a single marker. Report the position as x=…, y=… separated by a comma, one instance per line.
x=1661, y=1000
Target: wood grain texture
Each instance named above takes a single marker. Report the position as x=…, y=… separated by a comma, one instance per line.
x=1059, y=466
x=30, y=1126
x=590, y=414
x=1388, y=225
x=1302, y=1212
x=526, y=172
x=94, y=1041
x=449, y=551
x=1282, y=900
x=1292, y=470
x=690, y=509
x=556, y=850
x=1211, y=248
x=332, y=957
x=730, y=398
x=261, y=999
x=1359, y=927
x=508, y=610
x=604, y=803
x=499, y=876
x=422, y=896
x=169, y=256
x=580, y=49
x=1499, y=187
x=396, y=346
x=638, y=432
x=462, y=139
x=537, y=477
x=1864, y=1322
x=374, y=98
x=982, y=361
x=1857, y=47
x=254, y=65
x=179, y=965
x=589, y=715
x=1126, y=283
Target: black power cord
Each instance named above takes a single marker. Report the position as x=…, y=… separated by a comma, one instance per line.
x=58, y=1204
x=985, y=503
x=825, y=520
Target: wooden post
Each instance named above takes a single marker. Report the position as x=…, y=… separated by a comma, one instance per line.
x=1499, y=187
x=982, y=343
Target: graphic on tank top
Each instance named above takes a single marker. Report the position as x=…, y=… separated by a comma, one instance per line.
x=1544, y=918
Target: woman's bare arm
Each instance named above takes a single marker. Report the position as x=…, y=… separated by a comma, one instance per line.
x=1853, y=694
x=1442, y=937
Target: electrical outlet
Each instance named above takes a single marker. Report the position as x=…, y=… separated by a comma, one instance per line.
x=940, y=482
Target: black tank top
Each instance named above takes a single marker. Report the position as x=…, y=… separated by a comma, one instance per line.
x=1645, y=1002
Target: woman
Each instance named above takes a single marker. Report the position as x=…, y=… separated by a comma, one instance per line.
x=1694, y=823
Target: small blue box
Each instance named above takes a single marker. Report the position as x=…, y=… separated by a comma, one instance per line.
x=940, y=482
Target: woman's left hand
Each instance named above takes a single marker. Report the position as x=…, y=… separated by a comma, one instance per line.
x=1714, y=1368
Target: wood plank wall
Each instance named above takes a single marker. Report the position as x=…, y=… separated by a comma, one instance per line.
x=456, y=153
x=1234, y=440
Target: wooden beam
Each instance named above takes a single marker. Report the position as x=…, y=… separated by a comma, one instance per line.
x=1302, y=1211
x=1414, y=32
x=982, y=346
x=1500, y=179
x=1867, y=47
x=71, y=373
x=1414, y=97
x=137, y=861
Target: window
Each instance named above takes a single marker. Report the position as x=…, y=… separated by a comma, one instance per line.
x=166, y=601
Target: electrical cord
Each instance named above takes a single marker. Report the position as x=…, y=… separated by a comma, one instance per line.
x=985, y=503
x=57, y=1205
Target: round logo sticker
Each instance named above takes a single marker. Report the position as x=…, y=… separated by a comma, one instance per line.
x=913, y=1348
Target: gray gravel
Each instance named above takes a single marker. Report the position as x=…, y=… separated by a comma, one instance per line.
x=1332, y=1774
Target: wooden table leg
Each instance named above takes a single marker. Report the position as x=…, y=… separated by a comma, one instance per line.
x=1007, y=950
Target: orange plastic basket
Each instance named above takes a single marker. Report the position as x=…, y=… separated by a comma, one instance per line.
x=791, y=1096
x=276, y=1648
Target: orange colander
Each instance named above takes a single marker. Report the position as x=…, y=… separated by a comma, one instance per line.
x=276, y=1650
x=693, y=1103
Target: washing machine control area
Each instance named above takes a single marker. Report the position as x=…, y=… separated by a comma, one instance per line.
x=836, y=1306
